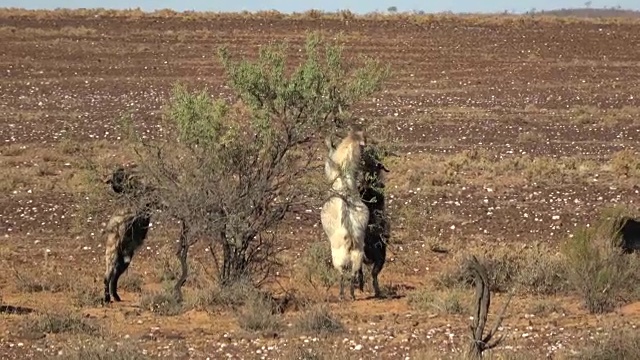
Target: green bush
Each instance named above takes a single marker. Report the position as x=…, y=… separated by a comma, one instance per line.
x=232, y=170
x=597, y=268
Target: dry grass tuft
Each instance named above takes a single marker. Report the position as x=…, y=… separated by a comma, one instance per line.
x=161, y=302
x=214, y=297
x=531, y=271
x=598, y=270
x=131, y=281
x=316, y=268
x=258, y=314
x=48, y=280
x=449, y=302
x=621, y=344
x=88, y=296
x=93, y=349
x=57, y=323
x=546, y=307
x=318, y=320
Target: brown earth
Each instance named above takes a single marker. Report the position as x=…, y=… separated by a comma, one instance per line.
x=510, y=133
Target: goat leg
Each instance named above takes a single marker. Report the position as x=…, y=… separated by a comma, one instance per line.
x=341, y=294
x=109, y=274
x=121, y=266
x=107, y=281
x=375, y=270
x=352, y=287
x=360, y=279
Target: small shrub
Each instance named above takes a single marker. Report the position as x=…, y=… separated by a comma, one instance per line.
x=231, y=296
x=58, y=323
x=47, y=281
x=533, y=271
x=625, y=163
x=100, y=350
x=87, y=296
x=258, y=315
x=624, y=344
x=302, y=353
x=13, y=150
x=542, y=273
x=544, y=307
x=503, y=269
x=161, y=302
x=449, y=302
x=318, y=320
x=317, y=267
x=597, y=268
x=131, y=282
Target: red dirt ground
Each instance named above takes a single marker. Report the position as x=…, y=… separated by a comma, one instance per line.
x=551, y=106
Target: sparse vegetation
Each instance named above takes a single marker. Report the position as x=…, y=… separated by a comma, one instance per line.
x=450, y=302
x=258, y=314
x=87, y=295
x=597, y=268
x=546, y=307
x=618, y=344
x=503, y=151
x=48, y=280
x=226, y=297
x=532, y=270
x=233, y=170
x=318, y=319
x=316, y=268
x=131, y=282
x=59, y=323
x=161, y=302
x=102, y=350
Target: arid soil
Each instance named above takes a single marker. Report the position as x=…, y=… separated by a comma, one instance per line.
x=509, y=134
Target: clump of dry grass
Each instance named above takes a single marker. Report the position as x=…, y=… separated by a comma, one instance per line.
x=621, y=344
x=316, y=267
x=546, y=307
x=162, y=302
x=131, y=281
x=229, y=297
x=13, y=180
x=258, y=314
x=47, y=280
x=57, y=323
x=93, y=349
x=597, y=269
x=449, y=302
x=87, y=296
x=533, y=270
x=12, y=150
x=318, y=320
x=625, y=163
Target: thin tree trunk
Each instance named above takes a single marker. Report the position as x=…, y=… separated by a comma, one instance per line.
x=183, y=256
x=234, y=265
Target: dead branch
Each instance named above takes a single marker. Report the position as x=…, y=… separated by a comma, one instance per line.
x=482, y=303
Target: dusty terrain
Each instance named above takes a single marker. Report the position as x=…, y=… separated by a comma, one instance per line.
x=510, y=133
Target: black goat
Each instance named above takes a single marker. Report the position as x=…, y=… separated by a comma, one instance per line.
x=126, y=232
x=628, y=229
x=377, y=234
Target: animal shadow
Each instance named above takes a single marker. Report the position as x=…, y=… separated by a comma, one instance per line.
x=17, y=310
x=392, y=292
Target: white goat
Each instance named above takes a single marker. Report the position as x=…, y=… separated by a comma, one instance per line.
x=344, y=216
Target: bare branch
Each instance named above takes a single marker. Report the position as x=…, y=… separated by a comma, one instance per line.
x=482, y=303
